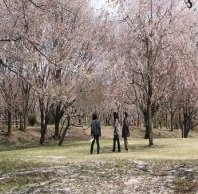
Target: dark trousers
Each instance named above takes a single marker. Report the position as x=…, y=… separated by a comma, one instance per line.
x=96, y=137
x=116, y=138
x=126, y=143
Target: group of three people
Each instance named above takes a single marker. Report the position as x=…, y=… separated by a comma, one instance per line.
x=96, y=132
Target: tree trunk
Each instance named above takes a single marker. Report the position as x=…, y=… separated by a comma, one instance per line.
x=181, y=125
x=16, y=121
x=43, y=132
x=187, y=124
x=172, y=117
x=57, y=124
x=42, y=127
x=9, y=122
x=166, y=121
x=150, y=123
x=64, y=132
x=147, y=132
x=21, y=122
x=25, y=122
x=146, y=125
x=138, y=124
x=26, y=92
x=57, y=114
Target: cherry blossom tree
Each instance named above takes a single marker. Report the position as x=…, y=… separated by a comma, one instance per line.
x=151, y=45
x=59, y=41
x=9, y=91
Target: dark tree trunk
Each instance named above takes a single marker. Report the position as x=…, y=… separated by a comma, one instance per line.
x=56, y=133
x=187, y=125
x=172, y=119
x=25, y=121
x=107, y=119
x=186, y=121
x=43, y=130
x=166, y=120
x=16, y=121
x=150, y=123
x=64, y=131
x=181, y=125
x=26, y=92
x=147, y=133
x=58, y=114
x=146, y=125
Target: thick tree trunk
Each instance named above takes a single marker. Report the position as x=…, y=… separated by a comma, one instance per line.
x=147, y=132
x=44, y=129
x=43, y=132
x=187, y=124
x=56, y=133
x=9, y=122
x=148, y=124
x=58, y=114
x=64, y=131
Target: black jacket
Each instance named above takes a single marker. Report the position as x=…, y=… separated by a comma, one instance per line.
x=95, y=128
x=125, y=128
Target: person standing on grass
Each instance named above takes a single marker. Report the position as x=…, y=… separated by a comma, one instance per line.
x=116, y=136
x=125, y=130
x=95, y=132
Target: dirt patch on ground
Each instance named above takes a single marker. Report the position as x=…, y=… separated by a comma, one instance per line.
x=103, y=177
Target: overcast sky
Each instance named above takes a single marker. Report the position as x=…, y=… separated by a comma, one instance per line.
x=98, y=3
x=101, y=4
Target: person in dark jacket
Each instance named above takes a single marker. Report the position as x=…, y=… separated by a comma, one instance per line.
x=125, y=130
x=116, y=134
x=95, y=132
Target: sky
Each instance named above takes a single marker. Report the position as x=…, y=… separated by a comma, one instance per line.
x=98, y=4
x=101, y=4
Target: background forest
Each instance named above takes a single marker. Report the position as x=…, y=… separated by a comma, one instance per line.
x=64, y=60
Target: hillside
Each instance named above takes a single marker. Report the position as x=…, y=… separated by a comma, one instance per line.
x=30, y=138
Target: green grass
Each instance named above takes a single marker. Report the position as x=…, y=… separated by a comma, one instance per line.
x=73, y=151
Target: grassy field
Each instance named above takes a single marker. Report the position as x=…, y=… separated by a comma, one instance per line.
x=78, y=151
x=27, y=167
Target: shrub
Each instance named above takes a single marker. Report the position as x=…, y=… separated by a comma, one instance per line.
x=32, y=120
x=51, y=120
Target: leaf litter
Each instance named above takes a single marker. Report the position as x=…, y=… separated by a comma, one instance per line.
x=121, y=176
